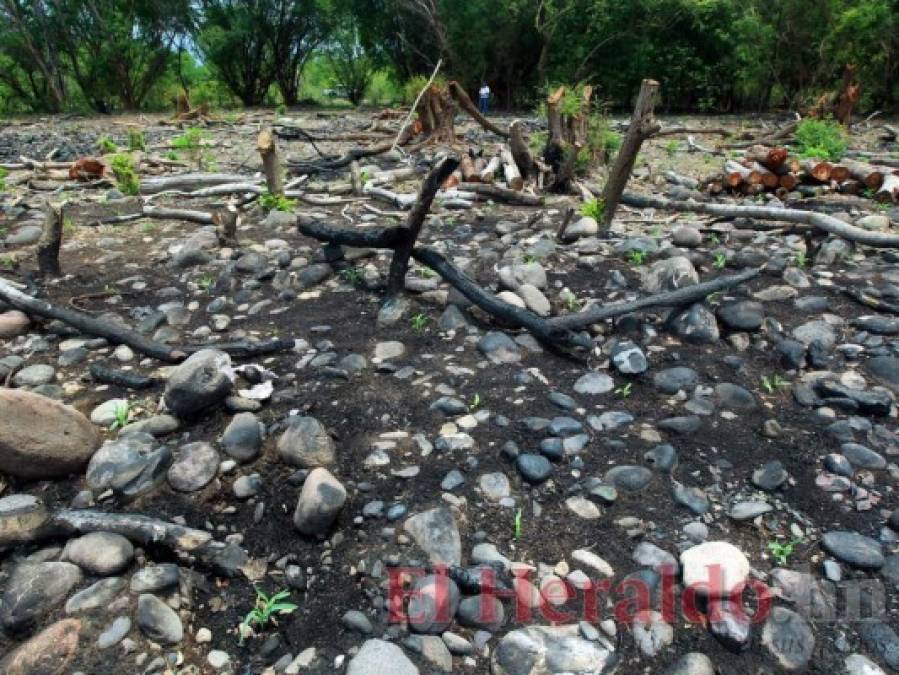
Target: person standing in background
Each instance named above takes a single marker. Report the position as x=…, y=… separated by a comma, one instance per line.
x=484, y=98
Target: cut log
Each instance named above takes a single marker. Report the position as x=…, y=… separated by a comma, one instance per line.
x=120, y=378
x=510, y=171
x=817, y=169
x=767, y=178
x=889, y=189
x=271, y=164
x=788, y=181
x=188, y=181
x=502, y=194
x=488, y=175
x=735, y=174
x=642, y=127
x=839, y=173
x=469, y=171
x=50, y=242
x=226, y=220
x=868, y=174
x=771, y=158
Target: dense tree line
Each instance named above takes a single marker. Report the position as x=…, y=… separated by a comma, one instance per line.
x=710, y=55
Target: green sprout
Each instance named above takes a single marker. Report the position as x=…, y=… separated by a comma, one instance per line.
x=518, y=519
x=593, y=208
x=122, y=414
x=191, y=139
x=773, y=383
x=7, y=262
x=475, y=402
x=671, y=147
x=3, y=174
x=637, y=257
x=172, y=155
x=782, y=552
x=106, y=145
x=271, y=202
x=265, y=611
x=572, y=304
x=419, y=322
x=800, y=259
x=714, y=239
x=136, y=140
x=281, y=109
x=351, y=275
x=425, y=272
x=205, y=282
x=529, y=258
x=625, y=391
x=720, y=261
x=364, y=176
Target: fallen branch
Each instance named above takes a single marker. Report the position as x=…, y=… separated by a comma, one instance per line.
x=820, y=221
x=465, y=102
x=188, y=181
x=120, y=378
x=143, y=530
x=405, y=126
x=501, y=194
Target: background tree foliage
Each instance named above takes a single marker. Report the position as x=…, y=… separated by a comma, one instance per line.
x=710, y=55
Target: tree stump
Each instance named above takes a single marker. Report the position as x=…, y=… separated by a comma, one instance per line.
x=567, y=135
x=436, y=111
x=50, y=242
x=271, y=165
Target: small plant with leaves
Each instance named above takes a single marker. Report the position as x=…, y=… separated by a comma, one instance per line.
x=594, y=208
x=572, y=304
x=475, y=402
x=271, y=202
x=265, y=611
x=781, y=552
x=773, y=383
x=719, y=262
x=281, y=110
x=106, y=145
x=821, y=139
x=7, y=262
x=351, y=275
x=191, y=139
x=122, y=414
x=671, y=148
x=801, y=260
x=136, y=140
x=518, y=523
x=637, y=257
x=3, y=174
x=205, y=283
x=714, y=239
x=172, y=155
x=529, y=258
x=419, y=322
x=424, y=273
x=125, y=174
x=625, y=390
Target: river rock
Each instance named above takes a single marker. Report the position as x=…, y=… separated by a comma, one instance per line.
x=306, y=443
x=100, y=553
x=199, y=383
x=35, y=589
x=320, y=502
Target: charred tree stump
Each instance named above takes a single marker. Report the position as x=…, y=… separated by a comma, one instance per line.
x=226, y=221
x=567, y=136
x=642, y=126
x=436, y=112
x=520, y=152
x=399, y=265
x=271, y=165
x=50, y=241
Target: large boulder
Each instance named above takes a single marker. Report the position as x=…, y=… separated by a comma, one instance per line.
x=669, y=274
x=306, y=443
x=320, y=503
x=41, y=438
x=200, y=383
x=50, y=652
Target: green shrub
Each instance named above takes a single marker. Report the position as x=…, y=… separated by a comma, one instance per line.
x=106, y=145
x=126, y=177
x=136, y=140
x=593, y=209
x=271, y=202
x=191, y=139
x=821, y=139
x=3, y=174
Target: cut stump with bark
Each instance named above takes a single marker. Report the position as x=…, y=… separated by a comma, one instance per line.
x=271, y=164
x=50, y=242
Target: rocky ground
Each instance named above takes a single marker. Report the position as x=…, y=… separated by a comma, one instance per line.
x=754, y=435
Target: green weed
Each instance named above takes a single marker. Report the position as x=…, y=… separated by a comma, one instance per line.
x=122, y=414
x=126, y=177
x=419, y=322
x=720, y=261
x=594, y=208
x=271, y=202
x=136, y=140
x=637, y=257
x=265, y=611
x=821, y=139
x=625, y=390
x=106, y=145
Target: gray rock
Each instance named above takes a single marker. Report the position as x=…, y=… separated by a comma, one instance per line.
x=484, y=612
x=696, y=325
x=247, y=486
x=651, y=633
x=495, y=486
x=433, y=604
x=887, y=369
x=743, y=316
x=199, y=383
x=24, y=236
x=881, y=639
x=715, y=568
x=629, y=478
x=155, y=578
x=34, y=376
x=194, y=468
x=96, y=596
x=594, y=384
x=686, y=237
x=729, y=624
x=357, y=621
x=535, y=469
x=863, y=457
x=379, y=657
x=21, y=518
x=734, y=397
x=242, y=439
x=100, y=553
x=819, y=332
x=747, y=510
x=788, y=638
x=34, y=590
x=694, y=663
x=662, y=457
x=158, y=621
x=129, y=465
x=672, y=380
x=306, y=443
x=770, y=477
x=854, y=549
x=629, y=359
x=319, y=504
x=858, y=664
x=499, y=348
x=583, y=227
x=669, y=275
x=115, y=633
x=435, y=532
x=550, y=650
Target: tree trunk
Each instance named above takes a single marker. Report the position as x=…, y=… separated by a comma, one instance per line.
x=436, y=112
x=271, y=164
x=50, y=241
x=520, y=151
x=642, y=126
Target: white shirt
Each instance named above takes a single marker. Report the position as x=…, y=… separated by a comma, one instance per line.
x=484, y=91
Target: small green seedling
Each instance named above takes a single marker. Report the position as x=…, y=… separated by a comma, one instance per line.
x=106, y=145
x=625, y=390
x=773, y=383
x=637, y=257
x=205, y=283
x=594, y=208
x=714, y=239
x=3, y=174
x=191, y=139
x=572, y=304
x=419, y=322
x=136, y=140
x=671, y=147
x=281, y=109
x=530, y=258
x=351, y=275
x=265, y=611
x=7, y=262
x=801, y=260
x=364, y=176
x=720, y=261
x=518, y=519
x=475, y=402
x=424, y=272
x=271, y=202
x=782, y=552
x=172, y=155
x=125, y=174
x=122, y=414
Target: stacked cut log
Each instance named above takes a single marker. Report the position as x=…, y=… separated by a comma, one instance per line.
x=765, y=168
x=500, y=166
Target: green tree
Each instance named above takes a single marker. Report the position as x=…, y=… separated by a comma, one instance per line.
x=351, y=67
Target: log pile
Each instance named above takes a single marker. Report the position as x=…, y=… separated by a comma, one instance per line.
x=772, y=169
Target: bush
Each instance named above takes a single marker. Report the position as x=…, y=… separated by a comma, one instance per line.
x=126, y=177
x=820, y=139
x=136, y=140
x=3, y=174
